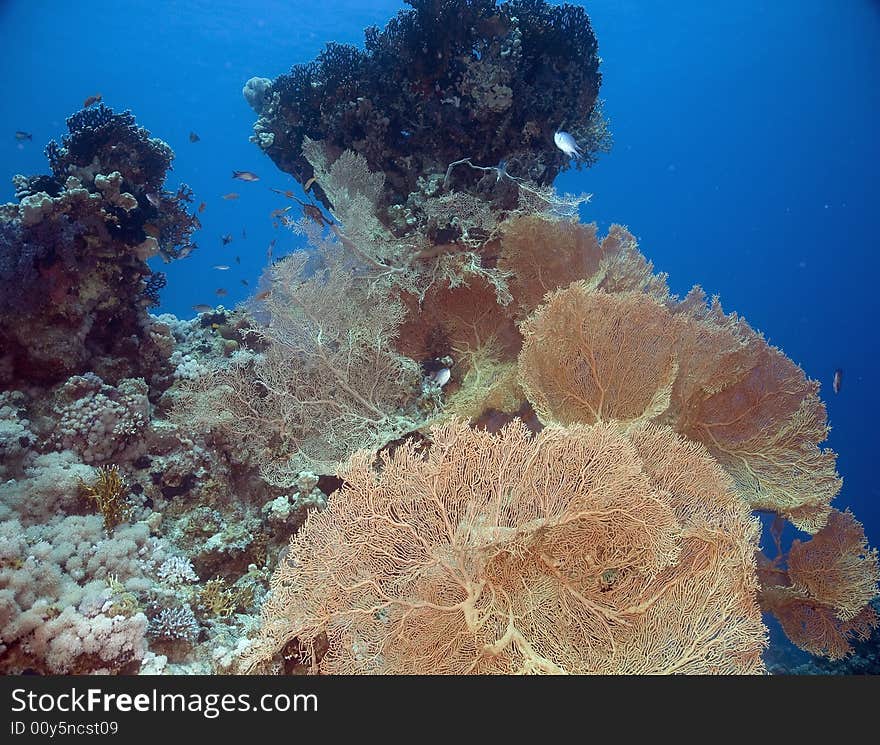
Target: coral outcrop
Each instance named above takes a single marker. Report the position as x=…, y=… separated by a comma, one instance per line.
x=74, y=280
x=442, y=82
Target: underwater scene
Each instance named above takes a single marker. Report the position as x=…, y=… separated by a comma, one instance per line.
x=439, y=336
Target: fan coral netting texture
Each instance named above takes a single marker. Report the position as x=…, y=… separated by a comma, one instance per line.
x=579, y=551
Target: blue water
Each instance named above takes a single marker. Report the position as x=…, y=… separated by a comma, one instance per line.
x=745, y=157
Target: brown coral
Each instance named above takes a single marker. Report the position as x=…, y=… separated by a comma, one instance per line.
x=577, y=551
x=458, y=320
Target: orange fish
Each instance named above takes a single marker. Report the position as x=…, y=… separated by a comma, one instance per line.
x=202, y=207
x=262, y=295
x=279, y=212
x=91, y=99
x=231, y=195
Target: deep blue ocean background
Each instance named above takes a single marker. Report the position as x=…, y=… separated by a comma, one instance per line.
x=745, y=159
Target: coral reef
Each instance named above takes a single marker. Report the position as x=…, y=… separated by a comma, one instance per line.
x=74, y=281
x=440, y=82
x=460, y=431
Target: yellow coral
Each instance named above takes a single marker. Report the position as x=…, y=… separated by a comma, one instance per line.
x=110, y=493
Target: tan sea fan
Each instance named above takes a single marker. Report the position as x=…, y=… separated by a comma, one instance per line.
x=544, y=255
x=590, y=356
x=578, y=551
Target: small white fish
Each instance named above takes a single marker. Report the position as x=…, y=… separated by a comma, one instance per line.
x=441, y=377
x=565, y=142
x=153, y=199
x=221, y=267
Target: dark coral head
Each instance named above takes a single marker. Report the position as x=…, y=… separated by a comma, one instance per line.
x=446, y=80
x=118, y=144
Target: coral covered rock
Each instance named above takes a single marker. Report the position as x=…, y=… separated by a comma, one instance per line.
x=443, y=81
x=74, y=282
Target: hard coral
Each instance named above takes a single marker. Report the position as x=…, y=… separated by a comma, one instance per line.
x=118, y=144
x=444, y=80
x=74, y=282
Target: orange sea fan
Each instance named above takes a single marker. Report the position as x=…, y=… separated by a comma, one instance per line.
x=813, y=626
x=590, y=356
x=456, y=321
x=755, y=411
x=578, y=550
x=836, y=566
x=545, y=255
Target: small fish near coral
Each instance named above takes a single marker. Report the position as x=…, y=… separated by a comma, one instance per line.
x=232, y=195
x=565, y=142
x=21, y=136
x=193, y=137
x=245, y=176
x=91, y=100
x=838, y=379
x=227, y=239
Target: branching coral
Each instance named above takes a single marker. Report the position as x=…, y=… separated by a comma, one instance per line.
x=578, y=551
x=329, y=383
x=110, y=494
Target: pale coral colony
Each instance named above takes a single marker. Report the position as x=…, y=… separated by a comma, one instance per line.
x=430, y=442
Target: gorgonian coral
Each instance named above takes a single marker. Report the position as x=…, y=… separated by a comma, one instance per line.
x=329, y=382
x=580, y=551
x=820, y=591
x=592, y=356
